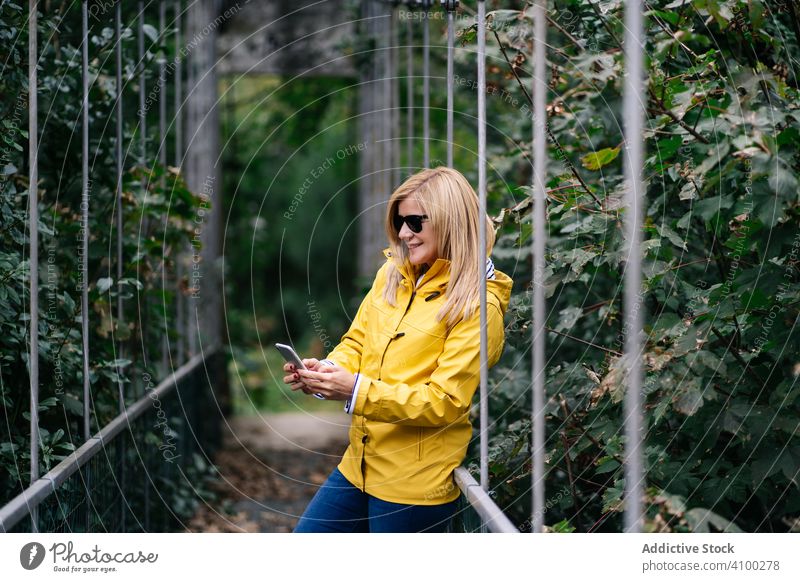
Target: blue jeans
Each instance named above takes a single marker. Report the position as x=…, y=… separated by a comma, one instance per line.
x=339, y=506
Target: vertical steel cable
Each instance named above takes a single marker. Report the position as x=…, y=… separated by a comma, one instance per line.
x=178, y=87
x=162, y=160
x=387, y=137
x=118, y=149
x=142, y=118
x=369, y=93
x=192, y=28
x=633, y=101
x=120, y=320
x=181, y=321
x=33, y=225
x=395, y=101
x=426, y=84
x=87, y=431
x=410, y=93
x=142, y=114
x=484, y=396
x=162, y=85
x=451, y=25
x=85, y=218
x=539, y=233
x=142, y=86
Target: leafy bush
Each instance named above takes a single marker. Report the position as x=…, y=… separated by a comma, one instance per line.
x=721, y=247
x=158, y=212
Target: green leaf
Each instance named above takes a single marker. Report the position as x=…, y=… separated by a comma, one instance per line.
x=672, y=236
x=783, y=182
x=790, y=460
x=676, y=3
x=671, y=17
x=762, y=468
x=104, y=284
x=612, y=497
x=73, y=405
x=131, y=281
x=668, y=325
x=151, y=32
x=562, y=526
x=568, y=317
x=118, y=363
x=708, y=207
x=753, y=299
x=768, y=209
x=600, y=158
x=700, y=518
x=690, y=401
x=48, y=403
x=468, y=35
x=666, y=148
x=607, y=465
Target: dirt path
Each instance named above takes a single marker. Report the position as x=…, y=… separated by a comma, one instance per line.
x=270, y=467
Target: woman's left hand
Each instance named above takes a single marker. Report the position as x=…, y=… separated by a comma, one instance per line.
x=333, y=382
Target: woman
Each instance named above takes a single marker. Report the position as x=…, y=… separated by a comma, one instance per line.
x=409, y=365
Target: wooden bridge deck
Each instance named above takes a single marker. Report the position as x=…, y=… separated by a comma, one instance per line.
x=270, y=467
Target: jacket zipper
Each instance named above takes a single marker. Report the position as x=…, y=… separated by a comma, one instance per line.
x=383, y=355
x=364, y=438
x=363, y=448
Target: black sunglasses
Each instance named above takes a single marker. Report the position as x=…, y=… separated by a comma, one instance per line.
x=414, y=222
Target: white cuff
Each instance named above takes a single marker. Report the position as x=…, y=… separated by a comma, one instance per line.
x=350, y=404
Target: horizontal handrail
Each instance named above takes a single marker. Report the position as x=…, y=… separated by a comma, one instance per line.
x=21, y=505
x=491, y=515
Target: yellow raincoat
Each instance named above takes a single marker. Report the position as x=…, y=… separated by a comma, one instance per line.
x=410, y=427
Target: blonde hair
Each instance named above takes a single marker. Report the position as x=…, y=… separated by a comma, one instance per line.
x=451, y=205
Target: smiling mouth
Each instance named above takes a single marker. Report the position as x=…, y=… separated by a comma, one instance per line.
x=412, y=247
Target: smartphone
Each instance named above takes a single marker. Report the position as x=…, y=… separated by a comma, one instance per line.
x=291, y=356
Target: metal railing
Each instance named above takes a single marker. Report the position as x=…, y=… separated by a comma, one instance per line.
x=479, y=512
x=158, y=440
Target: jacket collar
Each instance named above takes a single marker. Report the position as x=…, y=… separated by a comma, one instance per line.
x=438, y=275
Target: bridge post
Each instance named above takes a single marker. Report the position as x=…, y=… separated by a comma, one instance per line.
x=204, y=177
x=376, y=131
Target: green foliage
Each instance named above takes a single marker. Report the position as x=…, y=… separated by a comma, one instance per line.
x=158, y=211
x=291, y=161
x=720, y=284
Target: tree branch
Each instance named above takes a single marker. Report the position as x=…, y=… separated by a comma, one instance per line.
x=738, y=357
x=664, y=110
x=550, y=135
x=577, y=339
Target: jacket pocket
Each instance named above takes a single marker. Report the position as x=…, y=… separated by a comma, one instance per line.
x=420, y=441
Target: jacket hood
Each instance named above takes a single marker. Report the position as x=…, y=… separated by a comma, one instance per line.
x=438, y=275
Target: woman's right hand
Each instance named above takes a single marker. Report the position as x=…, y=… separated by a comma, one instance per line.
x=293, y=379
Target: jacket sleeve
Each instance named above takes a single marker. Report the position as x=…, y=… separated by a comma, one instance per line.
x=351, y=347
x=447, y=396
